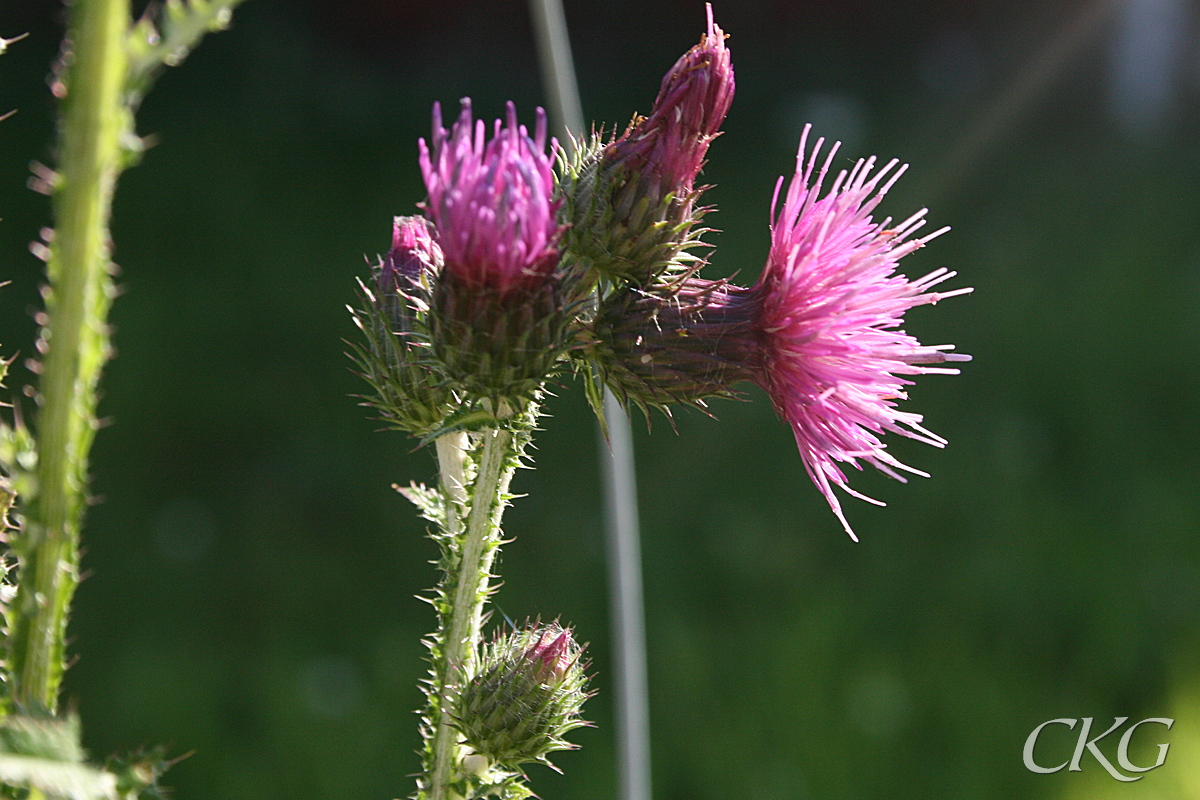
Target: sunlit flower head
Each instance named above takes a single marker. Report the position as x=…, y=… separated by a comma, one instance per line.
x=834, y=359
x=491, y=201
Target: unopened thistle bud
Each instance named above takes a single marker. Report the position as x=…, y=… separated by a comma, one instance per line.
x=497, y=323
x=526, y=697
x=409, y=392
x=404, y=275
x=667, y=148
x=632, y=201
x=679, y=343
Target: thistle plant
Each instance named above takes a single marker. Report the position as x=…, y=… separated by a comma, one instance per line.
x=528, y=261
x=518, y=274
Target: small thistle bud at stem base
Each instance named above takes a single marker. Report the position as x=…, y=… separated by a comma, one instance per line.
x=525, y=697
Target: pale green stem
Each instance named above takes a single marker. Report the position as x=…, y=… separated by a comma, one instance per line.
x=451, y=456
x=76, y=336
x=479, y=544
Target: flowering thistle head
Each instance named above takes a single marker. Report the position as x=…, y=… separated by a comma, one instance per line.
x=834, y=359
x=527, y=694
x=394, y=316
x=497, y=324
x=632, y=201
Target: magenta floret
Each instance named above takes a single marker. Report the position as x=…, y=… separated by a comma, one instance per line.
x=492, y=201
x=832, y=306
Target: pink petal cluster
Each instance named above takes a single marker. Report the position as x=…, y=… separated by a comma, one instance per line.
x=555, y=650
x=692, y=102
x=492, y=201
x=833, y=354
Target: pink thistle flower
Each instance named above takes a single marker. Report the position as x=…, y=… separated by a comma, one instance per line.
x=492, y=200
x=833, y=354
x=669, y=146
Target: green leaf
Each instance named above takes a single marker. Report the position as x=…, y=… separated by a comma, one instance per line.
x=179, y=28
x=593, y=388
x=428, y=501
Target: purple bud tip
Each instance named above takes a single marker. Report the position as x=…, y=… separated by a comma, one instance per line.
x=554, y=652
x=694, y=98
x=413, y=252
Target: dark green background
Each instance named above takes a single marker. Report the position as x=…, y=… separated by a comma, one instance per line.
x=251, y=574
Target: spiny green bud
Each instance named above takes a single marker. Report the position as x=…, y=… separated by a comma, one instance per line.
x=621, y=227
x=409, y=393
x=527, y=695
x=498, y=345
x=137, y=772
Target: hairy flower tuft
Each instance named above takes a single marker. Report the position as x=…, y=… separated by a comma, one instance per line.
x=492, y=201
x=834, y=359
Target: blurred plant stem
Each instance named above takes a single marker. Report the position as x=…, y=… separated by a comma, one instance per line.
x=621, y=526
x=108, y=64
x=470, y=538
x=75, y=342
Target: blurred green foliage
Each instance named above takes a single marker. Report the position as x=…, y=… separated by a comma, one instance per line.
x=252, y=574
